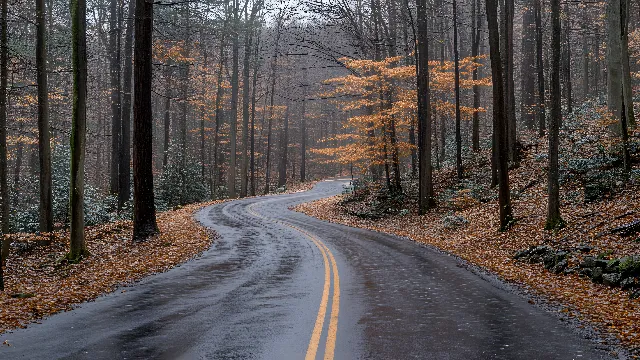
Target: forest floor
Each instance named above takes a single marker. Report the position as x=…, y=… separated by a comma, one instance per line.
x=39, y=283
x=465, y=223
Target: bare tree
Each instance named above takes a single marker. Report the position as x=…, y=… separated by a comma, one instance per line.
x=425, y=187
x=554, y=220
x=44, y=141
x=144, y=209
x=499, y=107
x=78, y=247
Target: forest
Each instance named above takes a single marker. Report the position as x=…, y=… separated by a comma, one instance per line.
x=114, y=112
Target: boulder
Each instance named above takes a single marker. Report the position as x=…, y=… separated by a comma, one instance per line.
x=596, y=275
x=560, y=266
x=628, y=283
x=586, y=272
x=549, y=261
x=584, y=248
x=612, y=279
x=589, y=262
x=613, y=266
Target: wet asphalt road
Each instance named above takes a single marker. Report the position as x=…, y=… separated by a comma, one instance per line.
x=258, y=292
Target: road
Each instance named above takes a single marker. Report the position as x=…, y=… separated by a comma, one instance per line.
x=281, y=285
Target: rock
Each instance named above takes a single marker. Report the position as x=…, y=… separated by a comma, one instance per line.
x=521, y=254
x=22, y=295
x=584, y=248
x=586, y=272
x=634, y=294
x=549, y=261
x=542, y=250
x=560, y=266
x=596, y=275
x=612, y=279
x=589, y=262
x=630, y=265
x=628, y=283
x=613, y=266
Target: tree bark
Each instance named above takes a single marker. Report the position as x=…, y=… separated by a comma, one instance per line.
x=566, y=62
x=475, y=44
x=303, y=128
x=554, y=220
x=44, y=136
x=541, y=112
x=144, y=210
x=284, y=150
x=614, y=60
x=167, y=114
x=116, y=111
x=233, y=119
x=78, y=247
x=425, y=184
x=499, y=107
x=459, y=170
x=124, y=168
x=252, y=170
x=4, y=188
x=527, y=70
x=627, y=89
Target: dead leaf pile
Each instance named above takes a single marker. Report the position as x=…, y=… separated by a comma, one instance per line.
x=38, y=284
x=477, y=240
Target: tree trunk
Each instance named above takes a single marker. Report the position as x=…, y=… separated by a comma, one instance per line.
x=144, y=210
x=303, y=128
x=627, y=89
x=116, y=111
x=425, y=184
x=527, y=70
x=457, y=91
x=233, y=120
x=78, y=127
x=124, y=169
x=284, y=149
x=244, y=167
x=4, y=188
x=499, y=107
x=44, y=142
x=541, y=112
x=252, y=170
x=566, y=62
x=614, y=60
x=274, y=64
x=554, y=220
x=167, y=115
x=510, y=84
x=475, y=44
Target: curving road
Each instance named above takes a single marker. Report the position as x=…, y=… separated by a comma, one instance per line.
x=281, y=285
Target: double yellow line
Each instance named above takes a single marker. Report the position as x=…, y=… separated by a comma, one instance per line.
x=329, y=267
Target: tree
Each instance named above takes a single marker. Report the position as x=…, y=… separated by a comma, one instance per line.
x=540, y=100
x=554, y=221
x=4, y=189
x=476, y=21
x=124, y=169
x=499, y=118
x=44, y=142
x=144, y=210
x=527, y=72
x=235, y=86
x=425, y=185
x=459, y=170
x=116, y=111
x=78, y=247
x=284, y=149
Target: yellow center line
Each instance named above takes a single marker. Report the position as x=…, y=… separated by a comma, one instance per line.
x=314, y=342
